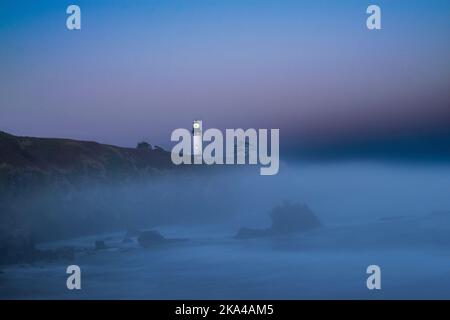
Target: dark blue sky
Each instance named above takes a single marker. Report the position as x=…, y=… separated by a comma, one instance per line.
x=139, y=69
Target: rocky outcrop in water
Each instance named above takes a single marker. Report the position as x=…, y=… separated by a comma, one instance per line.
x=100, y=245
x=286, y=219
x=152, y=237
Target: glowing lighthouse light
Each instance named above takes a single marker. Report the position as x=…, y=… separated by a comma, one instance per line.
x=238, y=145
x=197, y=141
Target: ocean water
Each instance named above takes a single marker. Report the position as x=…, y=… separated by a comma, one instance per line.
x=396, y=218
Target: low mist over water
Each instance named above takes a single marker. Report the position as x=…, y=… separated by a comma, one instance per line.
x=395, y=217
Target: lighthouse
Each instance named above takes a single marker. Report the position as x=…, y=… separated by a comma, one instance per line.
x=197, y=140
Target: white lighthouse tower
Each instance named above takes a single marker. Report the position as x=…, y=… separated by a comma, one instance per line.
x=198, y=146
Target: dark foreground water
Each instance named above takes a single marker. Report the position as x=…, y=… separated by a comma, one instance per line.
x=327, y=263
x=394, y=217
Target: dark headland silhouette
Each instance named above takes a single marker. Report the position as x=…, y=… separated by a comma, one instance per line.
x=36, y=158
x=42, y=180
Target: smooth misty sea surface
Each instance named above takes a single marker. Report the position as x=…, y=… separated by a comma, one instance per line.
x=397, y=218
x=223, y=268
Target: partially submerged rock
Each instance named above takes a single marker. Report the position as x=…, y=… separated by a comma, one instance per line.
x=289, y=218
x=100, y=245
x=286, y=219
x=150, y=238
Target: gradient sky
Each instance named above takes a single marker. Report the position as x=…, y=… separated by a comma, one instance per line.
x=139, y=69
